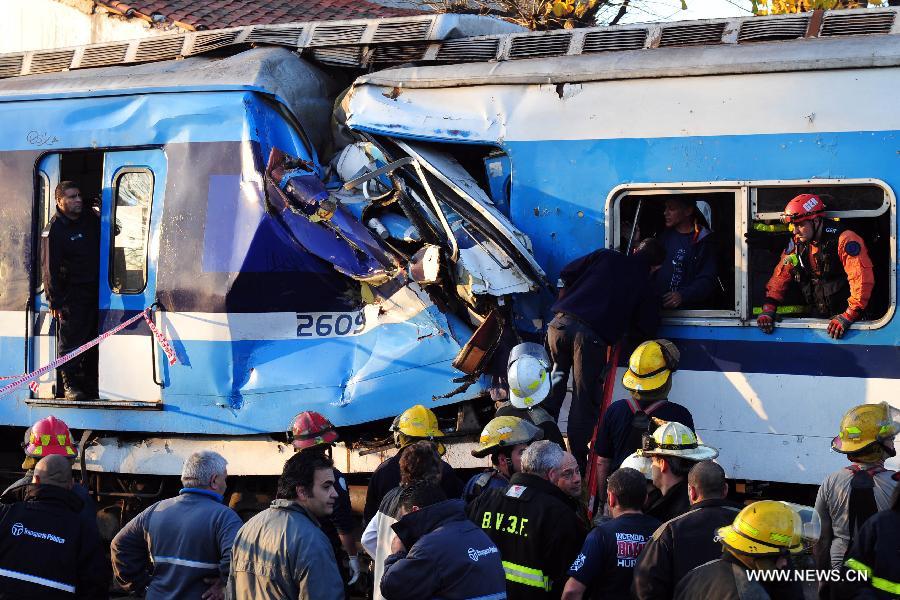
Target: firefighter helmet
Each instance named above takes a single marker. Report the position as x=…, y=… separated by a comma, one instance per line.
x=414, y=424
x=804, y=207
x=506, y=432
x=865, y=425
x=650, y=366
x=674, y=439
x=310, y=429
x=528, y=373
x=771, y=528
x=639, y=463
x=49, y=436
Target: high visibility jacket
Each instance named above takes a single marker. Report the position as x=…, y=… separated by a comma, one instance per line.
x=537, y=532
x=874, y=552
x=834, y=273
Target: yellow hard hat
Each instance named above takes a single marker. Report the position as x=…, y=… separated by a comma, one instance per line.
x=650, y=366
x=674, y=439
x=865, y=425
x=770, y=528
x=506, y=432
x=414, y=424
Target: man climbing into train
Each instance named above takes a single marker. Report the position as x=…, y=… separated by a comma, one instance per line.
x=831, y=264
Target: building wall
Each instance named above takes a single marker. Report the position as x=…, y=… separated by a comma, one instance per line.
x=43, y=24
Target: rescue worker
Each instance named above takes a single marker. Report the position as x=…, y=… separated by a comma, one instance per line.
x=648, y=380
x=687, y=278
x=46, y=550
x=439, y=553
x=874, y=553
x=673, y=450
x=503, y=439
x=181, y=547
x=848, y=497
x=311, y=432
x=604, y=568
x=830, y=263
x=282, y=552
x=591, y=315
x=416, y=423
x=528, y=374
x=70, y=253
x=763, y=537
x=532, y=524
x=663, y=563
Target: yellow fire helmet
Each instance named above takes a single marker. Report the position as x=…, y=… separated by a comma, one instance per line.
x=674, y=439
x=650, y=366
x=506, y=432
x=414, y=424
x=771, y=528
x=865, y=425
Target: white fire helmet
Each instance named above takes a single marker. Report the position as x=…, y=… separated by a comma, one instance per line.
x=528, y=372
x=643, y=464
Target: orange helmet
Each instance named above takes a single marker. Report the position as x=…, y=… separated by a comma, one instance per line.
x=50, y=436
x=311, y=429
x=804, y=207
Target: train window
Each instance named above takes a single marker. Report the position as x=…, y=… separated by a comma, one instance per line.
x=863, y=207
x=44, y=212
x=130, y=236
x=700, y=278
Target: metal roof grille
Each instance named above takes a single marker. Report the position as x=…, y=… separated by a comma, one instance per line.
x=399, y=53
x=469, y=50
x=620, y=39
x=159, y=48
x=211, y=40
x=687, y=35
x=539, y=45
x=281, y=36
x=401, y=31
x=11, y=65
x=334, y=35
x=101, y=56
x=346, y=56
x=764, y=30
x=51, y=62
x=858, y=24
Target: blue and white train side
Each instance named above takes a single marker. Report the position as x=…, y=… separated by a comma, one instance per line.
x=583, y=140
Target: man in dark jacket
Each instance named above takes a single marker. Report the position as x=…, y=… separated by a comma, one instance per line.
x=70, y=249
x=664, y=560
x=602, y=294
x=181, y=547
x=439, y=553
x=874, y=553
x=687, y=278
x=46, y=550
x=533, y=525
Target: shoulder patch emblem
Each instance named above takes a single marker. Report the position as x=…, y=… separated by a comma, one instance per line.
x=579, y=562
x=852, y=248
x=516, y=491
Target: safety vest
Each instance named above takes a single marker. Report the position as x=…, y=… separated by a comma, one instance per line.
x=826, y=288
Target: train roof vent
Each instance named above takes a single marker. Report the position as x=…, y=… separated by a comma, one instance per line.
x=335, y=35
x=689, y=35
x=534, y=46
x=51, y=62
x=164, y=47
x=212, y=40
x=402, y=31
x=618, y=39
x=399, y=53
x=102, y=56
x=766, y=30
x=11, y=65
x=857, y=24
x=270, y=34
x=469, y=50
x=346, y=56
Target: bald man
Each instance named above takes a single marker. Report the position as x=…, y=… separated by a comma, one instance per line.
x=46, y=550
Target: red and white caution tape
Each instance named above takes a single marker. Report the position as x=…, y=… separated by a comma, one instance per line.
x=31, y=378
x=32, y=385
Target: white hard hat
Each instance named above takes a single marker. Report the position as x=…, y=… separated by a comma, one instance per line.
x=674, y=439
x=528, y=374
x=640, y=463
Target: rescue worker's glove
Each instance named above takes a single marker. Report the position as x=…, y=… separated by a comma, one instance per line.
x=841, y=323
x=766, y=319
x=354, y=569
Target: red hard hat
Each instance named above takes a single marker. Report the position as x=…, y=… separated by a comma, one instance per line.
x=312, y=429
x=804, y=207
x=50, y=436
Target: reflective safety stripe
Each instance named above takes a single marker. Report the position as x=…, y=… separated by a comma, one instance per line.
x=878, y=583
x=500, y=596
x=181, y=562
x=526, y=575
x=57, y=585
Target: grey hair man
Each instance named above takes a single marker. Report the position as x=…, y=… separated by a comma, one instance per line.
x=532, y=523
x=181, y=547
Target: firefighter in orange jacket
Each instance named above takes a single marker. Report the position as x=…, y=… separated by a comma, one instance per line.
x=831, y=265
